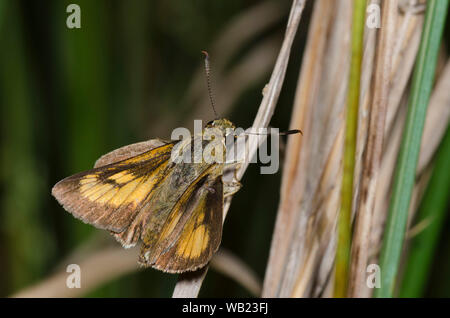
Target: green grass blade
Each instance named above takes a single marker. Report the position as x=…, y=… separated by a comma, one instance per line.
x=432, y=211
x=409, y=151
x=344, y=223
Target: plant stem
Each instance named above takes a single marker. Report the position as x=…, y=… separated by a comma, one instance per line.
x=344, y=222
x=409, y=150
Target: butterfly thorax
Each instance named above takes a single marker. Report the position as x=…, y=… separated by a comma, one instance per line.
x=222, y=124
x=207, y=147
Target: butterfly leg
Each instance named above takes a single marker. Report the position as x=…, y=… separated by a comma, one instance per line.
x=230, y=188
x=231, y=184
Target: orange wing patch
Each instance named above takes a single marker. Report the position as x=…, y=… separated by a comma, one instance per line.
x=193, y=230
x=110, y=197
x=195, y=244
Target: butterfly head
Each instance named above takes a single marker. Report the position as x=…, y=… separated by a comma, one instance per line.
x=222, y=124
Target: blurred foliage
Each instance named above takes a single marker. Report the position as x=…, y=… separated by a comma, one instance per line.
x=68, y=96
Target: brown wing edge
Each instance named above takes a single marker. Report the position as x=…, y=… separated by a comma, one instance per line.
x=128, y=151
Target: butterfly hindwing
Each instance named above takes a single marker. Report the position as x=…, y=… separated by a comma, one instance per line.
x=110, y=196
x=193, y=230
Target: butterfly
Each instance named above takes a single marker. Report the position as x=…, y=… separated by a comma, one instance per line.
x=143, y=193
x=139, y=193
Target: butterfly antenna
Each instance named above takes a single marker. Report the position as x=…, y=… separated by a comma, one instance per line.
x=208, y=82
x=283, y=133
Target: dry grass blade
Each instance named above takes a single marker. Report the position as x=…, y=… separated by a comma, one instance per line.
x=406, y=165
x=438, y=116
x=409, y=29
x=408, y=36
x=435, y=125
x=373, y=152
x=99, y=268
x=307, y=88
x=228, y=264
x=101, y=265
x=303, y=245
x=189, y=285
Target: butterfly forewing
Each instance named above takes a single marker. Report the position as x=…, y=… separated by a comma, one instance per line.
x=109, y=197
x=128, y=151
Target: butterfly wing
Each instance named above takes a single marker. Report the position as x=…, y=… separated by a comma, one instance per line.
x=193, y=230
x=110, y=196
x=176, y=209
x=128, y=151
